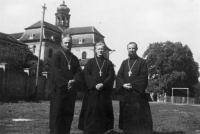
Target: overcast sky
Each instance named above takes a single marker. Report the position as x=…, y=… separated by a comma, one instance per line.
x=120, y=21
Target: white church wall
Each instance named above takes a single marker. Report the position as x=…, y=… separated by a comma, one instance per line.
x=83, y=39
x=54, y=47
x=77, y=51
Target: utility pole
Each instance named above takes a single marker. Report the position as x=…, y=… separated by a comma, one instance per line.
x=38, y=64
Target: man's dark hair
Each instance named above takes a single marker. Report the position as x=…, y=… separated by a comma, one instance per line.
x=132, y=43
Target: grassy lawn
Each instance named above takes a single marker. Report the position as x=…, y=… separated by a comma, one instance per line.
x=167, y=118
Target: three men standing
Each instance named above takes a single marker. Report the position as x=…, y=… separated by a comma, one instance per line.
x=132, y=80
x=63, y=95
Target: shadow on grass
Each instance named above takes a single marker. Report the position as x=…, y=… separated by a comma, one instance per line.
x=179, y=132
x=2, y=129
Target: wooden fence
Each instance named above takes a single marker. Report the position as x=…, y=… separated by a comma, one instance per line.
x=19, y=85
x=182, y=100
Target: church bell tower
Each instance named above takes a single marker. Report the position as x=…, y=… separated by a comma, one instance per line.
x=62, y=16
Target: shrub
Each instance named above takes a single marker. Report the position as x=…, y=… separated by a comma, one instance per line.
x=18, y=57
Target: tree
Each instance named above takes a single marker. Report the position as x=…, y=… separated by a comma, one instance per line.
x=17, y=57
x=170, y=65
x=44, y=66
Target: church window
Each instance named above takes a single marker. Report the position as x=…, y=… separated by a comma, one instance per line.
x=31, y=36
x=80, y=41
x=52, y=37
x=84, y=55
x=58, y=21
x=50, y=53
x=63, y=21
x=66, y=22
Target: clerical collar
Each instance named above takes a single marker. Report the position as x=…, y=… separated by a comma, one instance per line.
x=133, y=57
x=100, y=57
x=67, y=52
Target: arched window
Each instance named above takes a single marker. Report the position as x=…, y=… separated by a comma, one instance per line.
x=52, y=37
x=80, y=41
x=58, y=21
x=84, y=54
x=31, y=36
x=63, y=20
x=50, y=53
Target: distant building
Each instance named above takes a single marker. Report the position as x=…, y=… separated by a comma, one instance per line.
x=83, y=38
x=6, y=39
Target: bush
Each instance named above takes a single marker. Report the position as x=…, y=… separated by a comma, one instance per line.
x=17, y=57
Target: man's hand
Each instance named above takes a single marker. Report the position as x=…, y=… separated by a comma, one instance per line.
x=99, y=86
x=127, y=86
x=70, y=83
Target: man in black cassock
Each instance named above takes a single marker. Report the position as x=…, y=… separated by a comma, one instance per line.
x=84, y=102
x=80, y=79
x=64, y=66
x=132, y=80
x=99, y=76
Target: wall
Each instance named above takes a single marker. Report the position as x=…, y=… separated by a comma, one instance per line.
x=41, y=86
x=182, y=100
x=77, y=51
x=18, y=85
x=55, y=47
x=1, y=82
x=87, y=39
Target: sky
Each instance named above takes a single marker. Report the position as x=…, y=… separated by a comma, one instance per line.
x=120, y=21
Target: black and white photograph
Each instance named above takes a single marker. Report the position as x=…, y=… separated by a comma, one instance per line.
x=99, y=67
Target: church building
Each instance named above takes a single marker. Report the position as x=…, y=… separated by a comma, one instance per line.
x=83, y=38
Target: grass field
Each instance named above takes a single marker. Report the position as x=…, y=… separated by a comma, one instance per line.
x=167, y=118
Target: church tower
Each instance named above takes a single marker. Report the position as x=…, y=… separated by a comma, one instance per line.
x=62, y=16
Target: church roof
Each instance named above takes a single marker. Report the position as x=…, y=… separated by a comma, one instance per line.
x=11, y=39
x=82, y=30
x=46, y=25
x=63, y=8
x=87, y=40
x=17, y=35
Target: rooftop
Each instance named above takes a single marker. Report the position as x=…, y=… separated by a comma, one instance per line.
x=46, y=25
x=9, y=38
x=82, y=30
x=17, y=35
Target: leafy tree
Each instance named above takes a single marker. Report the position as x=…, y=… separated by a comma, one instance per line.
x=170, y=65
x=43, y=67
x=17, y=57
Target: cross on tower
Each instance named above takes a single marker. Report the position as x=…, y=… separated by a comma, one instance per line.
x=44, y=7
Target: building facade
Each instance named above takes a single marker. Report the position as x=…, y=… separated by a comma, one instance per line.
x=83, y=38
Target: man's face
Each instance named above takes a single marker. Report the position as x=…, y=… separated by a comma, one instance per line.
x=132, y=49
x=99, y=50
x=67, y=43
